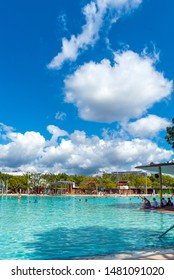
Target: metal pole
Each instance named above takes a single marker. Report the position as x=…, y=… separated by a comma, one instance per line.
x=166, y=231
x=146, y=182
x=160, y=181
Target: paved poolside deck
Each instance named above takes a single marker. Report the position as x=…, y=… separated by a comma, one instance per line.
x=167, y=254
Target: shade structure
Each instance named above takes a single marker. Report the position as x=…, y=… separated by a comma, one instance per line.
x=160, y=168
x=166, y=168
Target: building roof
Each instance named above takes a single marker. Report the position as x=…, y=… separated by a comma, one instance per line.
x=62, y=183
x=136, y=172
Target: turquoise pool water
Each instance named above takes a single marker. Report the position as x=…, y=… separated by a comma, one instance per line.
x=53, y=228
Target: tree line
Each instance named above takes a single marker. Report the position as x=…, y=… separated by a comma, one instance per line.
x=104, y=182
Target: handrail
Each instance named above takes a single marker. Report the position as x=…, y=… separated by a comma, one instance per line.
x=166, y=231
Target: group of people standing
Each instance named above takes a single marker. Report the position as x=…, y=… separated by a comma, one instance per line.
x=147, y=204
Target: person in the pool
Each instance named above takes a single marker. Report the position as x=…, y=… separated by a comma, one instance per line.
x=169, y=202
x=146, y=203
x=154, y=203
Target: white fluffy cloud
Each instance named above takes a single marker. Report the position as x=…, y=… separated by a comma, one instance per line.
x=56, y=133
x=106, y=93
x=92, y=155
x=94, y=13
x=21, y=149
x=76, y=153
x=4, y=130
x=148, y=126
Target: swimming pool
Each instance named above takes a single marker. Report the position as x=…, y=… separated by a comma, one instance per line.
x=53, y=228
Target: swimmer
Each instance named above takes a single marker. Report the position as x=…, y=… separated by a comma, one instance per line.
x=146, y=204
x=154, y=203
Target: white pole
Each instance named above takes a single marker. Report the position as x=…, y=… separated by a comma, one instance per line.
x=6, y=186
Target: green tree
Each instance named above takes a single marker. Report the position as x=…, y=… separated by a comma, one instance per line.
x=168, y=181
x=107, y=183
x=77, y=179
x=90, y=184
x=139, y=181
x=170, y=134
x=15, y=182
x=149, y=182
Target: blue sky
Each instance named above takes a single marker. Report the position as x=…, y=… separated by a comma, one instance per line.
x=86, y=86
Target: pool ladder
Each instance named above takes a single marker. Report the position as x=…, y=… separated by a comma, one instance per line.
x=166, y=231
